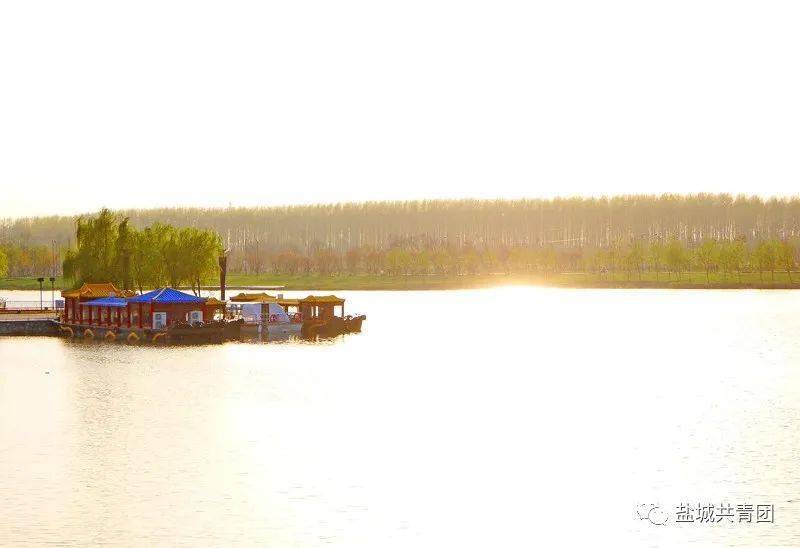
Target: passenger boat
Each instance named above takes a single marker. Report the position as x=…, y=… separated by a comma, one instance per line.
x=162, y=315
x=320, y=319
x=168, y=315
x=269, y=316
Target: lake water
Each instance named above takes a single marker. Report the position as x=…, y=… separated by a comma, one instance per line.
x=503, y=417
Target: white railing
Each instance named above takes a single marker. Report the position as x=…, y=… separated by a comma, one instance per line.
x=32, y=305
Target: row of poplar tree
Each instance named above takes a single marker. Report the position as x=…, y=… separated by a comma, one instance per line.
x=635, y=257
x=109, y=247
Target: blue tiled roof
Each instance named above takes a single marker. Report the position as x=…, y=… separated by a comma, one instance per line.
x=117, y=302
x=166, y=295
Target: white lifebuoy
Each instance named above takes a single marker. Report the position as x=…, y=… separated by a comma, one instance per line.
x=273, y=318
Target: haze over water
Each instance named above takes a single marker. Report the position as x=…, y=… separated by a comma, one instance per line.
x=504, y=417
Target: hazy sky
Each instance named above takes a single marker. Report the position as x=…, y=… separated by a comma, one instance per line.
x=209, y=103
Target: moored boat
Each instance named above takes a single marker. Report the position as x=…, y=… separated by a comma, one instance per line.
x=168, y=315
x=320, y=319
x=162, y=315
x=269, y=317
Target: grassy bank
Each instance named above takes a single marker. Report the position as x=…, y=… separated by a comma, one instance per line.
x=30, y=283
x=687, y=280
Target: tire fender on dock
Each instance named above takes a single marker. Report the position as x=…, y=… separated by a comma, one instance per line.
x=88, y=334
x=133, y=338
x=67, y=331
x=111, y=336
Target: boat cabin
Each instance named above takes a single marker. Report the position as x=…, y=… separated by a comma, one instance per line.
x=156, y=309
x=73, y=298
x=291, y=306
x=322, y=308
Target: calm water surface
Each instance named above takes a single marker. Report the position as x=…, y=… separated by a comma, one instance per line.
x=507, y=417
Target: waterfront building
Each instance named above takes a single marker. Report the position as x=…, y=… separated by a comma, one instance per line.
x=73, y=298
x=104, y=305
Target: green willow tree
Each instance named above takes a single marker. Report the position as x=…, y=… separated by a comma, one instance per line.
x=109, y=249
x=95, y=258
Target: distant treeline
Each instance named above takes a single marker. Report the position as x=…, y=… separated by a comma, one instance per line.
x=673, y=258
x=28, y=260
x=452, y=236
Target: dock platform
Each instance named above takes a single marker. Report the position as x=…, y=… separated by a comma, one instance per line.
x=28, y=324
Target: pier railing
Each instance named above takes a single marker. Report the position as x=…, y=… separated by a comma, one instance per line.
x=31, y=305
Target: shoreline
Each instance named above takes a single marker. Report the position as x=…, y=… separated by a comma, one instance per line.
x=572, y=280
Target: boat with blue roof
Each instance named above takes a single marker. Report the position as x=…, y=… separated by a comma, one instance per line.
x=162, y=315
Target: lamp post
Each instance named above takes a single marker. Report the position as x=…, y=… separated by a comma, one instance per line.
x=53, y=292
x=41, y=298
